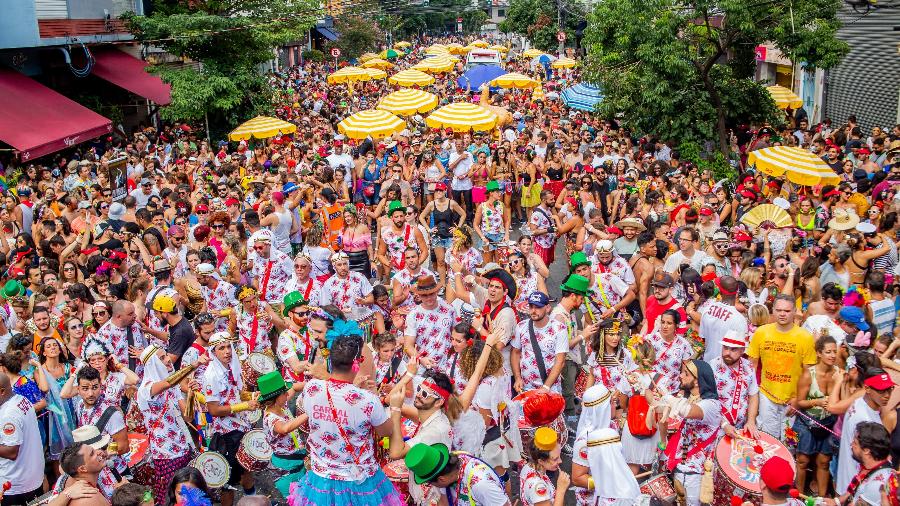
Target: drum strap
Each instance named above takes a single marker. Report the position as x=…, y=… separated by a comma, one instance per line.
x=104, y=418
x=674, y=444
x=264, y=284
x=538, y=355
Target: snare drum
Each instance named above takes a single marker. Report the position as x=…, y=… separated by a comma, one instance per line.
x=738, y=461
x=255, y=366
x=213, y=467
x=254, y=453
x=397, y=472
x=252, y=416
x=526, y=430
x=660, y=486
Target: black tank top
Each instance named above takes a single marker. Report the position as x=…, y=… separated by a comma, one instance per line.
x=555, y=174
x=443, y=221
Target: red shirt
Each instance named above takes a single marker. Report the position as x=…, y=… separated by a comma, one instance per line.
x=654, y=309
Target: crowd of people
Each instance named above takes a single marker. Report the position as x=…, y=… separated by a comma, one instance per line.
x=557, y=311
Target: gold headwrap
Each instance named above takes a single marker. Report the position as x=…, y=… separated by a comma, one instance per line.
x=247, y=291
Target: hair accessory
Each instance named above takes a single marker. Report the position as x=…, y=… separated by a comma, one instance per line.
x=246, y=291
x=862, y=340
x=431, y=385
x=757, y=300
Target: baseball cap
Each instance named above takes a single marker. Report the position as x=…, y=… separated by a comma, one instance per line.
x=440, y=186
x=706, y=211
x=201, y=207
x=879, y=381
x=232, y=202
x=855, y=316
x=538, y=299
x=205, y=269
x=777, y=474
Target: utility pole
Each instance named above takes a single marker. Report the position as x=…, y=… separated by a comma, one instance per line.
x=559, y=26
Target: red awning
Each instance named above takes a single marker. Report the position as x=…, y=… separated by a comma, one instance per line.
x=37, y=121
x=126, y=71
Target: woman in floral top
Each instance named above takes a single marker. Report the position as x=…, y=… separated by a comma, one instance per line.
x=462, y=251
x=536, y=488
x=281, y=429
x=492, y=221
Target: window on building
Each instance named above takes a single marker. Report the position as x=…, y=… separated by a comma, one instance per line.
x=501, y=13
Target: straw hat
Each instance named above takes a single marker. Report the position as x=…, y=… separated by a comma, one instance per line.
x=843, y=219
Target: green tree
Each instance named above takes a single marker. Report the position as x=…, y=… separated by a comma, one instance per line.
x=230, y=39
x=539, y=18
x=683, y=70
x=356, y=35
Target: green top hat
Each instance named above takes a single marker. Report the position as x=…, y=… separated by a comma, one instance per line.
x=576, y=284
x=492, y=186
x=395, y=205
x=271, y=385
x=293, y=300
x=12, y=289
x=578, y=258
x=426, y=462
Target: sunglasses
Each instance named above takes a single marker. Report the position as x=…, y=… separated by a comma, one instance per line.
x=99, y=313
x=217, y=226
x=202, y=212
x=69, y=269
x=180, y=222
x=104, y=206
x=177, y=238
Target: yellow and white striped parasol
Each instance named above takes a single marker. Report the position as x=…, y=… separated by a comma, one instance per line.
x=377, y=63
x=784, y=97
x=348, y=75
x=498, y=47
x=479, y=43
x=797, y=165
x=407, y=102
x=515, y=80
x=402, y=44
x=376, y=73
x=410, y=77
x=532, y=53
x=367, y=56
x=261, y=127
x=456, y=48
x=434, y=65
x=372, y=122
x=564, y=63
x=462, y=117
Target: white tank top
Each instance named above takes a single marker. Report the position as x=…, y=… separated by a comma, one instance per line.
x=281, y=233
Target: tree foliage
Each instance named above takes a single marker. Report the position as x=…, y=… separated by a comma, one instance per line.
x=356, y=35
x=435, y=15
x=683, y=70
x=537, y=20
x=229, y=39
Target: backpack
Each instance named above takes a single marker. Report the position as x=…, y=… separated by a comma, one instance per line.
x=637, y=417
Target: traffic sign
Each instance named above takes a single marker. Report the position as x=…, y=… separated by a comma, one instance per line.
x=561, y=36
x=335, y=52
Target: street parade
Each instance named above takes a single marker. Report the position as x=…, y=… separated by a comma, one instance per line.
x=423, y=281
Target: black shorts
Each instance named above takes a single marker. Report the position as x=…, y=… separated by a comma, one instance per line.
x=227, y=444
x=21, y=499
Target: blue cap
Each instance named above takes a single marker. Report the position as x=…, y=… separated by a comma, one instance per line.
x=855, y=316
x=538, y=299
x=289, y=187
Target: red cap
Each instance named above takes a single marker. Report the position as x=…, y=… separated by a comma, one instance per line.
x=832, y=193
x=777, y=474
x=440, y=186
x=705, y=211
x=880, y=381
x=864, y=151
x=614, y=230
x=232, y=202
x=740, y=235
x=748, y=194
x=201, y=207
x=338, y=143
x=291, y=163
x=772, y=184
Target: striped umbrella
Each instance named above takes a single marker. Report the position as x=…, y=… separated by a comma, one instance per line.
x=407, y=102
x=348, y=75
x=582, y=96
x=456, y=48
x=376, y=73
x=371, y=122
x=434, y=65
x=798, y=165
x=784, y=97
x=479, y=43
x=462, y=117
x=498, y=47
x=564, y=63
x=402, y=44
x=515, y=80
x=377, y=63
x=366, y=57
x=532, y=53
x=437, y=51
x=261, y=127
x=410, y=77
x=389, y=54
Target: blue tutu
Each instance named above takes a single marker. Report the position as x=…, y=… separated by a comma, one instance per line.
x=315, y=490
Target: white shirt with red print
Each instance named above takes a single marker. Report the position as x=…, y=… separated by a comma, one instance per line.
x=540, y=220
x=697, y=433
x=293, y=344
x=217, y=299
x=611, y=373
x=192, y=356
x=535, y=487
x=272, y=288
x=225, y=393
x=340, y=439
x=552, y=340
x=477, y=484
x=469, y=259
x=282, y=444
x=343, y=292
x=431, y=329
x=113, y=387
x=309, y=289
x=735, y=385
x=397, y=242
x=405, y=277
x=167, y=438
x=253, y=330
x=669, y=357
x=116, y=339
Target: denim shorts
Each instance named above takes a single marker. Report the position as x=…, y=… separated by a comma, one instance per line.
x=494, y=240
x=809, y=443
x=438, y=242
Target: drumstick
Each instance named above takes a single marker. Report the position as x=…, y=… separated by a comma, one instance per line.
x=643, y=475
x=810, y=501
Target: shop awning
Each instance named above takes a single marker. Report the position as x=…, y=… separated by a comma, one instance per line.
x=36, y=120
x=126, y=71
x=327, y=33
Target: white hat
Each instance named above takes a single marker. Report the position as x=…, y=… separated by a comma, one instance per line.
x=732, y=340
x=866, y=228
x=605, y=457
x=605, y=246
x=782, y=203
x=148, y=352
x=90, y=435
x=219, y=338
x=206, y=269
x=116, y=211
x=261, y=235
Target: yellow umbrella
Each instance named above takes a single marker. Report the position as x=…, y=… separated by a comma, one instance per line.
x=402, y=44
x=376, y=73
x=261, y=127
x=367, y=56
x=564, y=63
x=532, y=53
x=514, y=80
x=348, y=75
x=498, y=47
x=456, y=48
x=371, y=122
x=377, y=63
x=434, y=65
x=410, y=77
x=538, y=94
x=479, y=43
x=784, y=97
x=437, y=50
x=407, y=102
x=462, y=117
x=798, y=165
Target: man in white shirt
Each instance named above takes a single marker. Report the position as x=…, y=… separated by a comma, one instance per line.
x=460, y=163
x=719, y=317
x=687, y=252
x=340, y=160
x=142, y=195
x=867, y=408
x=539, y=348
x=21, y=451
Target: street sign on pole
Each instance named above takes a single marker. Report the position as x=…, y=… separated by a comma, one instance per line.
x=561, y=36
x=458, y=24
x=336, y=52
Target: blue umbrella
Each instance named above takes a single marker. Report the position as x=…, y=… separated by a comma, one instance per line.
x=478, y=75
x=582, y=96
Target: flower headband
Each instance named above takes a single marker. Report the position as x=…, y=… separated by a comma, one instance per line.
x=246, y=291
